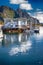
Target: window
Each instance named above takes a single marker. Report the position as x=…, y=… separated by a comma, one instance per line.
x=22, y=22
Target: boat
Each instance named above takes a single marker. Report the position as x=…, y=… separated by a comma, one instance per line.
x=36, y=30
x=12, y=30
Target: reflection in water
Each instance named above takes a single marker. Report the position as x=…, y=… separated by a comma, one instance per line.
x=20, y=43
x=27, y=47
x=1, y=41
x=22, y=48
x=40, y=35
x=15, y=39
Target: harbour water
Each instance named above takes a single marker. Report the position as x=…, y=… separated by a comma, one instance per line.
x=22, y=49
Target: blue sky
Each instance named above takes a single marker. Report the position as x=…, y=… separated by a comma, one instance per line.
x=33, y=7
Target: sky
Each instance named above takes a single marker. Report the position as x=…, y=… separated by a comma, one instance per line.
x=33, y=7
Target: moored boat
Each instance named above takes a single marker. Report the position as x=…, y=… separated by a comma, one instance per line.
x=36, y=30
x=12, y=30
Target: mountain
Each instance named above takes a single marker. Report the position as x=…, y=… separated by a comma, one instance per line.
x=7, y=12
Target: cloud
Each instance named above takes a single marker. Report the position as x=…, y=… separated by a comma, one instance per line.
x=17, y=1
x=26, y=6
x=23, y=4
x=39, y=16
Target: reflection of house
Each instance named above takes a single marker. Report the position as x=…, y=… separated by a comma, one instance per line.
x=23, y=37
x=15, y=39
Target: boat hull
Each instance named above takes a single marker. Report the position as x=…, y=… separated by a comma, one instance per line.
x=36, y=30
x=10, y=31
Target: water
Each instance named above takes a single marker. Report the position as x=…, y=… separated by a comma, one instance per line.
x=22, y=49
